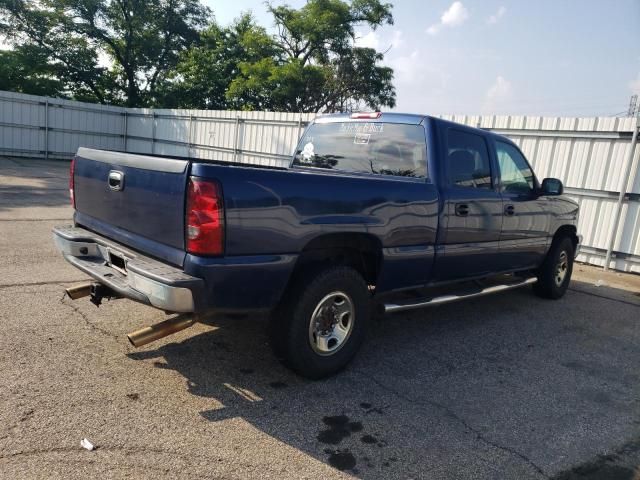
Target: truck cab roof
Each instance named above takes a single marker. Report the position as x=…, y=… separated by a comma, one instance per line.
x=386, y=117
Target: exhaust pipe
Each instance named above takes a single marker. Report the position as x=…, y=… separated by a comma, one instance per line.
x=79, y=290
x=160, y=330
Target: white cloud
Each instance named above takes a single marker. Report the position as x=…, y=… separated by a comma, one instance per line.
x=495, y=18
x=421, y=81
x=397, y=40
x=634, y=85
x=499, y=96
x=500, y=89
x=454, y=16
x=407, y=69
x=380, y=42
x=370, y=40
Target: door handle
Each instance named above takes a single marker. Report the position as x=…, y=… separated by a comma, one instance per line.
x=462, y=209
x=509, y=210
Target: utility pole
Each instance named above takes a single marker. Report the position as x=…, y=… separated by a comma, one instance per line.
x=634, y=107
x=623, y=188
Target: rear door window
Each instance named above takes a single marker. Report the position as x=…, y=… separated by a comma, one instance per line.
x=468, y=163
x=365, y=147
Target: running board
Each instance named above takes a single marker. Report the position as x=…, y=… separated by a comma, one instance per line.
x=424, y=302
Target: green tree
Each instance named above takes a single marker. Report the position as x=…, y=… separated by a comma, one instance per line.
x=206, y=70
x=26, y=70
x=171, y=53
x=142, y=38
x=316, y=66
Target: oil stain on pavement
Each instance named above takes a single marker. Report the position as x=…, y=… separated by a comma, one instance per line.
x=340, y=427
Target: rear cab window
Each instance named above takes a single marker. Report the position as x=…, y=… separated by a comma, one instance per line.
x=379, y=148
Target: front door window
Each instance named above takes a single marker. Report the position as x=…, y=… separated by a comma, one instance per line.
x=515, y=174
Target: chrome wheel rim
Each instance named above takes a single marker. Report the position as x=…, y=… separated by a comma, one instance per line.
x=331, y=323
x=561, y=268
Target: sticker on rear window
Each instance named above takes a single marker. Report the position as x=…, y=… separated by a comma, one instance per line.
x=353, y=127
x=308, y=152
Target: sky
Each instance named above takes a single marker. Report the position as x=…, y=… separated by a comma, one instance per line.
x=542, y=57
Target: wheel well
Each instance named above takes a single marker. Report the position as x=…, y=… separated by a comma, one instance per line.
x=567, y=231
x=361, y=251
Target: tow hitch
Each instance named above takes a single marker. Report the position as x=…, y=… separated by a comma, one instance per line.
x=97, y=291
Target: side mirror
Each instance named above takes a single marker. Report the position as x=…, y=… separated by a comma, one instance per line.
x=552, y=186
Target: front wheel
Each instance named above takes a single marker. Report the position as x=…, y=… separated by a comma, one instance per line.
x=322, y=322
x=554, y=274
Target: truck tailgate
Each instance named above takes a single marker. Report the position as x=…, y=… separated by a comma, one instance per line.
x=133, y=194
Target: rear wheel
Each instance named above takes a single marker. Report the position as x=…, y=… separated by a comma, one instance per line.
x=322, y=322
x=555, y=273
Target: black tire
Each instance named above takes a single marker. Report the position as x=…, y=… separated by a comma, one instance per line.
x=331, y=293
x=551, y=283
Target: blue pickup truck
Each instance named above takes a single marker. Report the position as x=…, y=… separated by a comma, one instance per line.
x=377, y=211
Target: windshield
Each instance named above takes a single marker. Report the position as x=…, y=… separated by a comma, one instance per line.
x=373, y=147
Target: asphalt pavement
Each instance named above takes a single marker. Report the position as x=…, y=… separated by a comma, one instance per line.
x=507, y=386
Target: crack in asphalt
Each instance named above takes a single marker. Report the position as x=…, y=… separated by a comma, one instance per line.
x=41, y=451
x=84, y=316
x=57, y=177
x=83, y=463
x=34, y=219
x=110, y=448
x=36, y=284
x=128, y=449
x=451, y=413
x=626, y=302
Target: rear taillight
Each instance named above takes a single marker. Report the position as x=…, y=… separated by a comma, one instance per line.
x=71, y=182
x=204, y=217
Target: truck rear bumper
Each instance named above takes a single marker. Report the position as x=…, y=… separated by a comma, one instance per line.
x=129, y=273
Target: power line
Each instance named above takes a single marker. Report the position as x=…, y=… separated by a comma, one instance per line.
x=618, y=114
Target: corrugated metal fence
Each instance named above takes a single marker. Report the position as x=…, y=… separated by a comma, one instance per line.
x=590, y=155
x=52, y=128
x=46, y=127
x=265, y=138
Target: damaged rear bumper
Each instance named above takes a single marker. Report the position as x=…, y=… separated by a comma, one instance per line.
x=128, y=273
